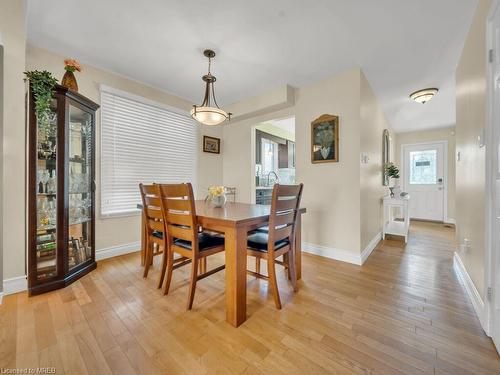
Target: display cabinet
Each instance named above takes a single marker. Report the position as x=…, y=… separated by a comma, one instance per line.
x=61, y=191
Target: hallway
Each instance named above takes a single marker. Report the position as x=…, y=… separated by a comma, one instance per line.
x=404, y=311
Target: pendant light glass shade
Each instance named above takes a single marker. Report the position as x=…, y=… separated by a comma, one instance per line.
x=207, y=113
x=422, y=96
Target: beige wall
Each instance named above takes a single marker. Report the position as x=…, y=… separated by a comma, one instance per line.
x=470, y=170
x=13, y=31
x=442, y=134
x=112, y=232
x=373, y=123
x=331, y=190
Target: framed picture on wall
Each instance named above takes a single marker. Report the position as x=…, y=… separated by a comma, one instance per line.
x=325, y=139
x=211, y=144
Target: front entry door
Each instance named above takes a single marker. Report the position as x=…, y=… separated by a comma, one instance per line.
x=423, y=175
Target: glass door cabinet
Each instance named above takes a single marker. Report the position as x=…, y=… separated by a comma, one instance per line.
x=61, y=191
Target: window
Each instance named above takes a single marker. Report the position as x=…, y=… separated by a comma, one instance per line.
x=423, y=167
x=141, y=141
x=269, y=156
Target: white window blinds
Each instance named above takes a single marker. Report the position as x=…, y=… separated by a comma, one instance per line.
x=141, y=141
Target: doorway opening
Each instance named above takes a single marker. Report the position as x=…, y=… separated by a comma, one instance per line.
x=274, y=156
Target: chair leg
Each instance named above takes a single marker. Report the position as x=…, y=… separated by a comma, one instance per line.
x=149, y=258
x=203, y=265
x=257, y=264
x=170, y=268
x=192, y=283
x=163, y=266
x=273, y=283
x=286, y=263
x=292, y=273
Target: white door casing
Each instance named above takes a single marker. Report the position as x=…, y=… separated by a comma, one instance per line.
x=492, y=258
x=423, y=175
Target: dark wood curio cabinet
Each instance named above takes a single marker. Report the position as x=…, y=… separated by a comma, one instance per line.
x=61, y=191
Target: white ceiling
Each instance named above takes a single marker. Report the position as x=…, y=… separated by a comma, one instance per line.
x=401, y=45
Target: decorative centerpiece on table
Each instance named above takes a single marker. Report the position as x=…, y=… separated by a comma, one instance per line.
x=392, y=172
x=69, y=79
x=217, y=196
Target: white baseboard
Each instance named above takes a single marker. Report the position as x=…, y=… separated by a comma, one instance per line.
x=342, y=255
x=15, y=285
x=332, y=253
x=450, y=220
x=472, y=292
x=370, y=247
x=114, y=251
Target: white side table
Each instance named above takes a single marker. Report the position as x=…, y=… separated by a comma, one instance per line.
x=396, y=227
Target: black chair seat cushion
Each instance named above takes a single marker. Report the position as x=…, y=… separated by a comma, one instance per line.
x=259, y=241
x=158, y=234
x=205, y=241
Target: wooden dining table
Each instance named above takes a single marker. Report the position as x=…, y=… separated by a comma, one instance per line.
x=235, y=220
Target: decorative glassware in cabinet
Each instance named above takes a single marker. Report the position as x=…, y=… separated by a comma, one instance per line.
x=46, y=195
x=80, y=186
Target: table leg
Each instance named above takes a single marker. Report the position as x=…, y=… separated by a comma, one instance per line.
x=298, y=247
x=143, y=240
x=236, y=275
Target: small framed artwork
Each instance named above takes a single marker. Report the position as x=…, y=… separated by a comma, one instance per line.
x=325, y=139
x=211, y=144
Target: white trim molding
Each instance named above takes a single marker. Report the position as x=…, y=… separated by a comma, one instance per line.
x=450, y=220
x=340, y=254
x=472, y=292
x=15, y=285
x=332, y=253
x=115, y=251
x=370, y=247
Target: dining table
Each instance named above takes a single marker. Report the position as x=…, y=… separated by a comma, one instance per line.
x=235, y=220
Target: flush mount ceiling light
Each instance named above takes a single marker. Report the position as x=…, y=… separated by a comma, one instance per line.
x=208, y=112
x=422, y=96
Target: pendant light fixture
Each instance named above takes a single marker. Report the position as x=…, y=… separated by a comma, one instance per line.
x=422, y=96
x=208, y=112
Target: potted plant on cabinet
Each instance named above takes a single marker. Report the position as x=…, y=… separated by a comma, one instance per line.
x=392, y=172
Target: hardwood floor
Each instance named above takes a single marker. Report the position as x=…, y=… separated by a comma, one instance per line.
x=404, y=311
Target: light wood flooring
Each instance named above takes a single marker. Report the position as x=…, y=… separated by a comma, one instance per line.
x=404, y=311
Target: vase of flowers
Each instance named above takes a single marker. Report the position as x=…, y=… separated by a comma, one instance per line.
x=392, y=172
x=69, y=79
x=217, y=196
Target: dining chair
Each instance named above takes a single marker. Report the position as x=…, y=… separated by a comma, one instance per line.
x=155, y=243
x=278, y=239
x=184, y=236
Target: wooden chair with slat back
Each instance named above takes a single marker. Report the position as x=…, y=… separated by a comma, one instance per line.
x=278, y=238
x=155, y=229
x=184, y=236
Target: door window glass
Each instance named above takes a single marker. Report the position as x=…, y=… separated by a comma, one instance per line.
x=423, y=167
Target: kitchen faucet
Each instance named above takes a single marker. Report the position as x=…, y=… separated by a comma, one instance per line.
x=277, y=179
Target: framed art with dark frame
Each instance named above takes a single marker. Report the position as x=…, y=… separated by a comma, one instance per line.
x=211, y=144
x=325, y=139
